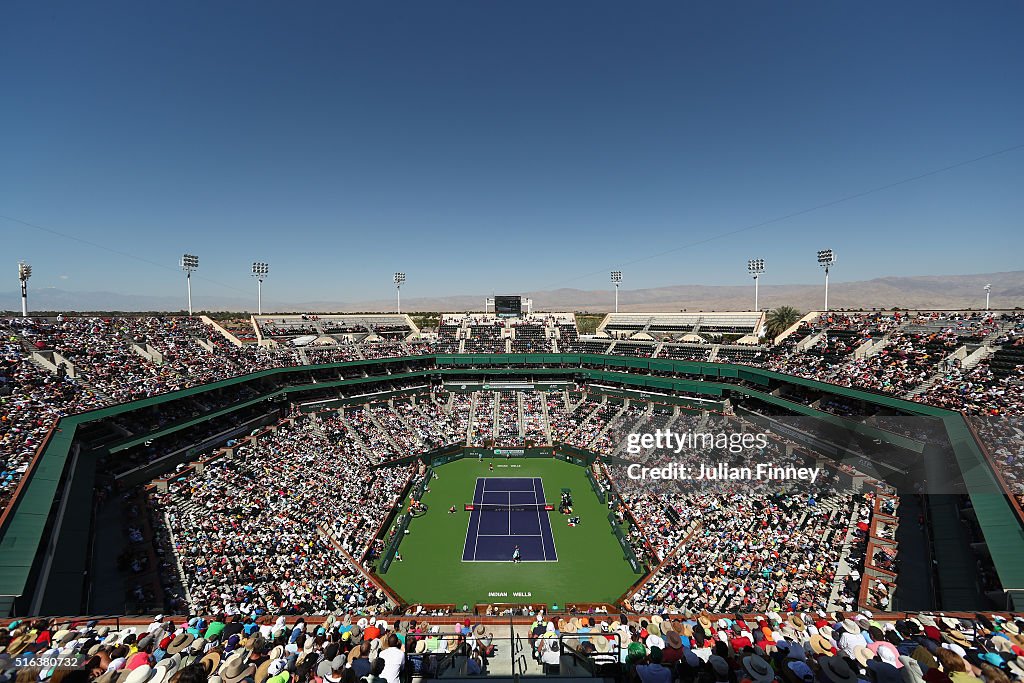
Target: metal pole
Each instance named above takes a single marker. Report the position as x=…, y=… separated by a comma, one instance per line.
x=399, y=290
x=259, y=296
x=987, y=293
x=24, y=298
x=826, y=289
x=188, y=279
x=755, y=294
x=616, y=298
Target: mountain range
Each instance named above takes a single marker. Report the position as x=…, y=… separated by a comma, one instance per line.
x=930, y=292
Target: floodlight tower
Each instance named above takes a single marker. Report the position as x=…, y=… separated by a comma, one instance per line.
x=988, y=291
x=616, y=280
x=24, y=273
x=189, y=262
x=260, y=270
x=399, y=279
x=755, y=267
x=826, y=259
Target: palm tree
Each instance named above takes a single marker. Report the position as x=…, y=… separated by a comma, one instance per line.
x=781, y=319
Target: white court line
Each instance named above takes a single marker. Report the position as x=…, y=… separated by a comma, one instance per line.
x=479, y=518
x=513, y=536
x=540, y=525
x=505, y=561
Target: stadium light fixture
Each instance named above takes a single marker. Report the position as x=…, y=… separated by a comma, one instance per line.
x=616, y=280
x=24, y=273
x=755, y=267
x=260, y=270
x=399, y=279
x=189, y=262
x=826, y=259
x=988, y=291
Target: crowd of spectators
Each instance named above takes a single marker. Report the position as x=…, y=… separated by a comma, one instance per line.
x=262, y=530
x=120, y=359
x=905, y=352
x=787, y=647
x=743, y=547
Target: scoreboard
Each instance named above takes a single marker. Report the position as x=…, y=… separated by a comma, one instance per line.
x=508, y=306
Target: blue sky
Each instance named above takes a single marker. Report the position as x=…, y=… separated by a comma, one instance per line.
x=505, y=146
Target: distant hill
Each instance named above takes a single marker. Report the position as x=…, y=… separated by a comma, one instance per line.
x=934, y=291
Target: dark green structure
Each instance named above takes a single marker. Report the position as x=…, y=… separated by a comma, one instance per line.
x=45, y=540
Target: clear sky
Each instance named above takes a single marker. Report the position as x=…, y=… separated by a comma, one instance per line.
x=505, y=146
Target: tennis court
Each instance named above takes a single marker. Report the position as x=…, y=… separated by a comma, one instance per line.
x=509, y=512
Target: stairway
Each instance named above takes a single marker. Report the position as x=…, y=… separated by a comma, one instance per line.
x=471, y=419
x=410, y=428
x=356, y=436
x=615, y=421
x=387, y=432
x=496, y=415
x=544, y=412
x=519, y=408
x=581, y=423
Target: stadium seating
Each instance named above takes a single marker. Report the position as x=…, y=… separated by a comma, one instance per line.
x=52, y=367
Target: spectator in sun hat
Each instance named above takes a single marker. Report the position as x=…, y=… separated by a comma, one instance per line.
x=143, y=674
x=635, y=652
x=851, y=639
x=268, y=669
x=886, y=652
x=784, y=651
x=720, y=670
x=836, y=670
x=282, y=677
x=330, y=670
x=211, y=661
x=654, y=641
x=179, y=642
x=603, y=653
x=821, y=646
x=956, y=636
x=797, y=671
x=236, y=669
x=673, y=650
x=757, y=670
x=882, y=671
x=865, y=627
x=157, y=623
x=193, y=651
x=171, y=664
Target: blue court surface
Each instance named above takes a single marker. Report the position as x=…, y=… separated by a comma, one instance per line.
x=494, y=533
